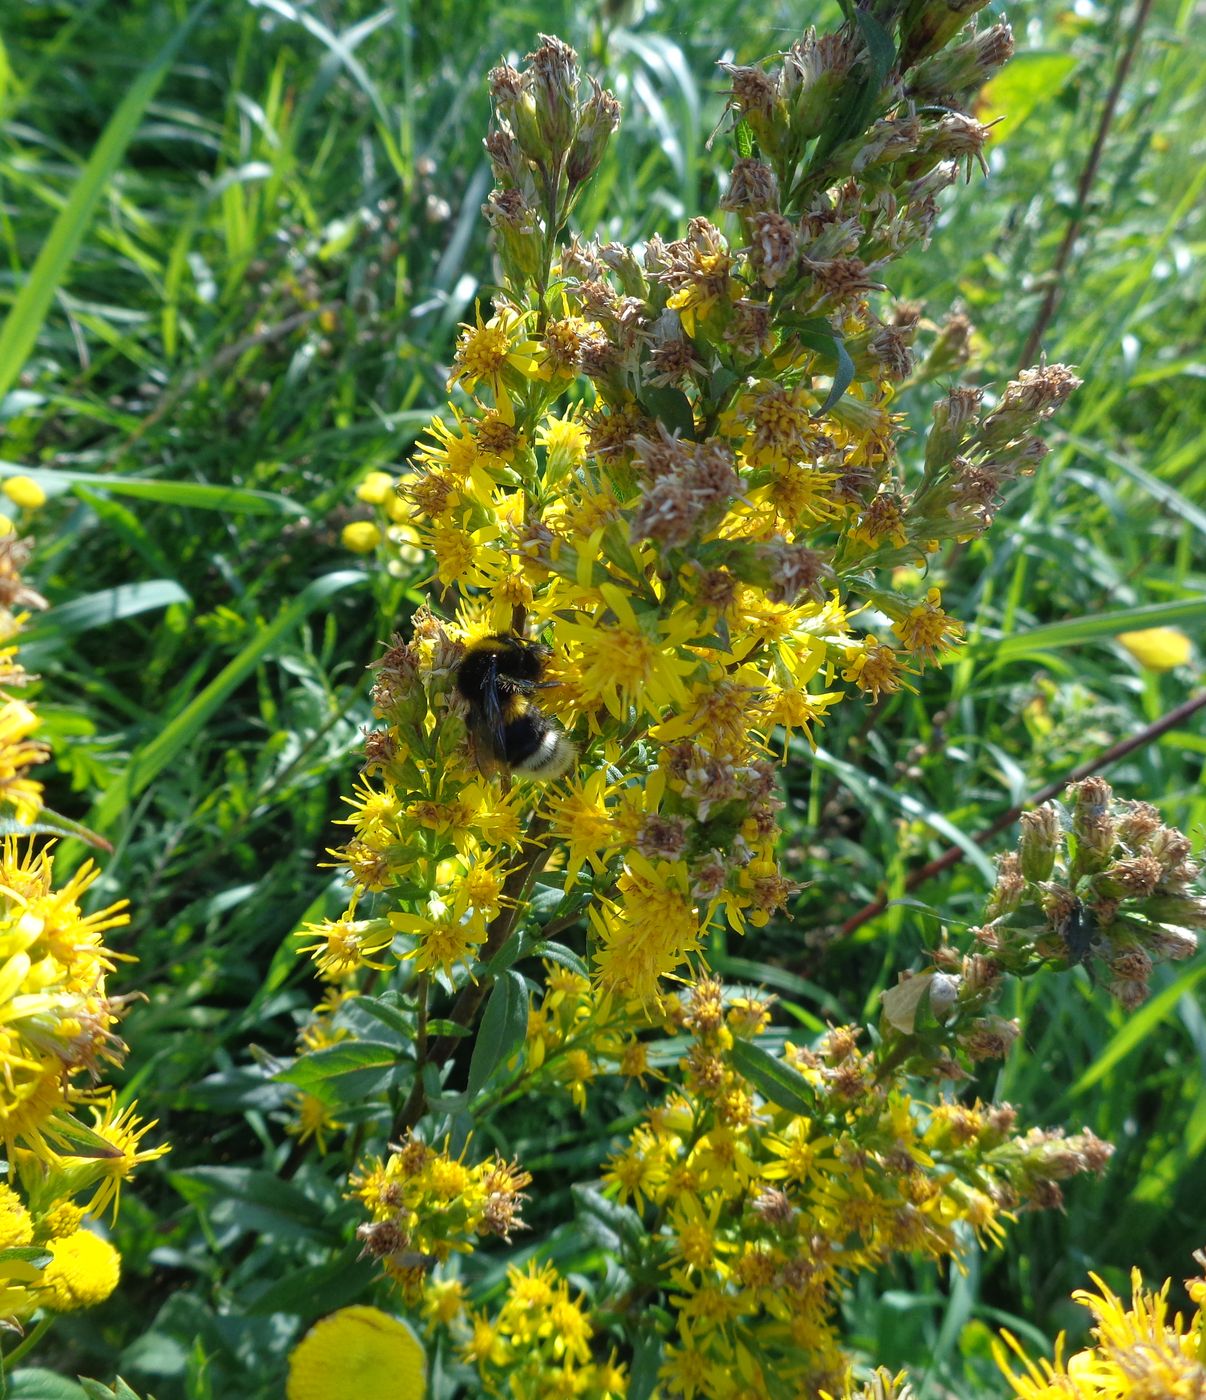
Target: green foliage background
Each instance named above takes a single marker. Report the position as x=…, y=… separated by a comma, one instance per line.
x=257, y=306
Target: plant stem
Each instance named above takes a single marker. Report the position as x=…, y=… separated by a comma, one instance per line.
x=1085, y=184
x=28, y=1342
x=533, y=855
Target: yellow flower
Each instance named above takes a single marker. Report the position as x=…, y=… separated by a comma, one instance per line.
x=357, y=1353
x=122, y=1130
x=16, y=1226
x=626, y=664
x=312, y=1119
x=488, y=349
x=360, y=536
x=927, y=630
x=376, y=488
x=1139, y=1350
x=83, y=1271
x=584, y=823
x=1157, y=648
x=448, y=935
x=24, y=491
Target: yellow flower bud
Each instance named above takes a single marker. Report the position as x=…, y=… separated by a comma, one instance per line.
x=361, y=537
x=1157, y=648
x=24, y=491
x=376, y=488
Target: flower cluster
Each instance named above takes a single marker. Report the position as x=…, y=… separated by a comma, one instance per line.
x=426, y=1205
x=539, y=1343
x=767, y=1184
x=57, y=1022
x=675, y=475
x=696, y=534
x=1137, y=1350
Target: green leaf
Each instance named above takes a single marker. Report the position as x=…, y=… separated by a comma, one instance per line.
x=743, y=139
x=52, y=823
x=443, y=1027
x=671, y=407
x=234, y=500
x=147, y=762
x=95, y=1390
x=28, y=312
x=646, y=1363
x=36, y=1384
x=312, y=1073
x=1027, y=81
x=503, y=1027
x=1075, y=630
x=397, y=1020
x=1136, y=1030
x=253, y=1200
x=820, y=336
x=107, y=605
x=776, y=1081
x=561, y=955
x=881, y=50
x=318, y=1289
x=610, y=1222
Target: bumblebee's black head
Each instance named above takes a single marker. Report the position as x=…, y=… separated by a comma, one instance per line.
x=499, y=659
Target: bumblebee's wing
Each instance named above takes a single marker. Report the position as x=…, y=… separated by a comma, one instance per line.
x=492, y=715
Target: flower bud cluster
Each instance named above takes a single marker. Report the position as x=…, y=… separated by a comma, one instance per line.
x=544, y=145
x=1099, y=882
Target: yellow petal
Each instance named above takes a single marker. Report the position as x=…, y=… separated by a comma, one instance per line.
x=1157, y=648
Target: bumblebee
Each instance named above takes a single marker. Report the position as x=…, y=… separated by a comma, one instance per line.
x=496, y=679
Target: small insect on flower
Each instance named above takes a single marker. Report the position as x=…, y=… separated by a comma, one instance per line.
x=496, y=679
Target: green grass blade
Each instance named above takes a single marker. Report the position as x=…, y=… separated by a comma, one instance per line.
x=150, y=760
x=28, y=311
x=1135, y=1030
x=103, y=607
x=238, y=500
x=1087, y=629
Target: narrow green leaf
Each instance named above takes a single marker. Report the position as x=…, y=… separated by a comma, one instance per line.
x=108, y=605
x=503, y=1026
x=150, y=760
x=1137, y=1029
x=236, y=500
x=52, y=823
x=622, y=1222
x=1075, y=630
x=561, y=955
x=773, y=1079
x=35, y=1384
x=347, y=1057
x=28, y=311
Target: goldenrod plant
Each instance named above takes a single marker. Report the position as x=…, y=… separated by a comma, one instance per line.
x=673, y=519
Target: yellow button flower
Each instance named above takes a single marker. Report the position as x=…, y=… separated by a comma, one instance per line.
x=361, y=537
x=24, y=491
x=358, y=1353
x=83, y=1271
x=1157, y=648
